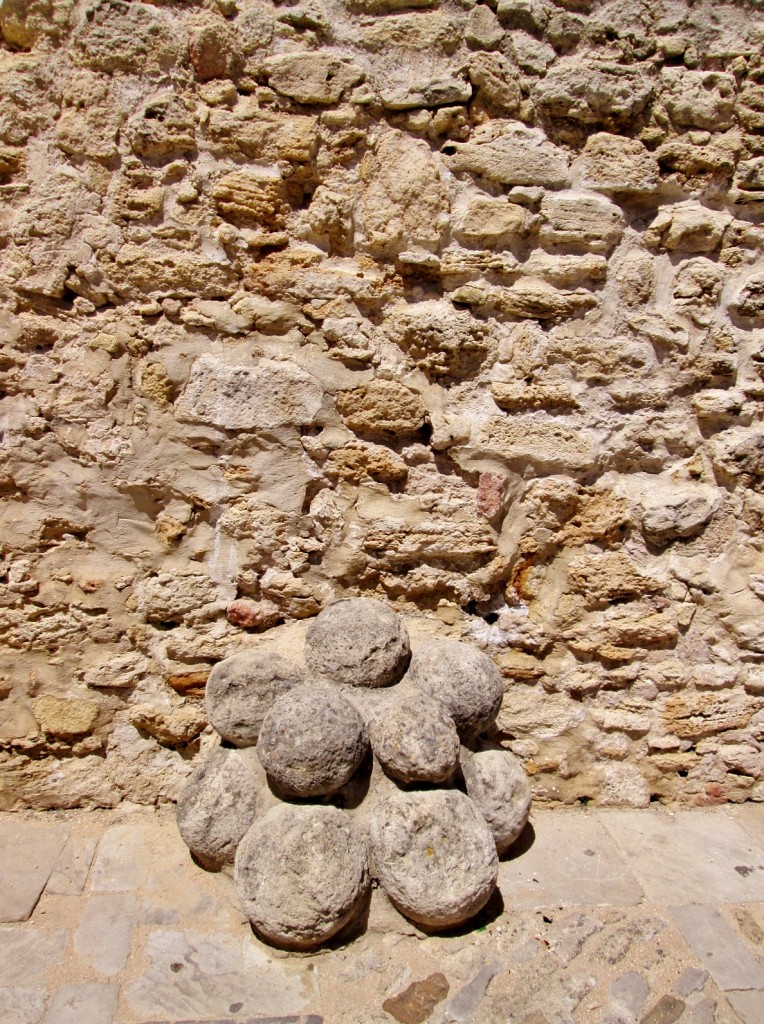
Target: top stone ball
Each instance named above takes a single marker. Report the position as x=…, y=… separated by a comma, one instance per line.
x=358, y=641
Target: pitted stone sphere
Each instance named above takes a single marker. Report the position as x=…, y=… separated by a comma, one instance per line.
x=241, y=689
x=497, y=784
x=414, y=739
x=301, y=873
x=218, y=805
x=358, y=641
x=462, y=679
x=311, y=742
x=434, y=855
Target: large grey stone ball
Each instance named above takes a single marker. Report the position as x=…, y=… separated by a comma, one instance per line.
x=498, y=786
x=434, y=855
x=414, y=739
x=358, y=641
x=218, y=804
x=311, y=742
x=462, y=679
x=301, y=873
x=242, y=688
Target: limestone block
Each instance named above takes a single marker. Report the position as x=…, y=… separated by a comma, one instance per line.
x=687, y=227
x=211, y=47
x=163, y=127
x=496, y=82
x=382, y=408
x=441, y=340
x=130, y=37
x=750, y=106
x=155, y=269
x=404, y=203
x=483, y=30
x=262, y=397
x=249, y=197
x=580, y=220
x=510, y=153
x=312, y=78
x=493, y=221
x=749, y=300
x=613, y=163
x=691, y=715
x=669, y=509
x=416, y=32
x=547, y=443
x=394, y=543
x=593, y=92
x=414, y=92
x=698, y=99
x=171, y=598
x=65, y=717
x=534, y=299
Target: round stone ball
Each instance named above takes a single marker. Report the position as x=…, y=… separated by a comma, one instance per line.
x=434, y=856
x=311, y=742
x=218, y=804
x=414, y=739
x=242, y=688
x=498, y=786
x=358, y=641
x=462, y=679
x=301, y=873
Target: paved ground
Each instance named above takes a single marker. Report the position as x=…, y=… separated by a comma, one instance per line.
x=604, y=917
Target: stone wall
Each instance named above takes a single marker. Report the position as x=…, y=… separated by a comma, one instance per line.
x=459, y=305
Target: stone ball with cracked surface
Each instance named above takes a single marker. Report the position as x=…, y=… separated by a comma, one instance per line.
x=434, y=855
x=415, y=740
x=301, y=874
x=218, y=804
x=358, y=641
x=500, y=789
x=311, y=742
x=462, y=679
x=242, y=688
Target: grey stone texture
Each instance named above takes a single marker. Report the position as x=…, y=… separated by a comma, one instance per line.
x=28, y=853
x=462, y=679
x=358, y=641
x=301, y=874
x=499, y=787
x=311, y=742
x=242, y=688
x=434, y=855
x=219, y=803
x=414, y=739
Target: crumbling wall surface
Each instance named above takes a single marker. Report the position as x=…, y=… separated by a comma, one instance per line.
x=459, y=305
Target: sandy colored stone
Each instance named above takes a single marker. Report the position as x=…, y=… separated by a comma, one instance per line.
x=417, y=1001
x=581, y=221
x=434, y=856
x=510, y=153
x=301, y=873
x=65, y=717
x=613, y=163
x=593, y=92
x=251, y=198
x=312, y=78
x=382, y=408
x=260, y=397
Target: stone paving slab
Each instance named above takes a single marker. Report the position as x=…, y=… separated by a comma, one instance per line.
x=569, y=859
x=28, y=852
x=689, y=856
x=130, y=931
x=731, y=964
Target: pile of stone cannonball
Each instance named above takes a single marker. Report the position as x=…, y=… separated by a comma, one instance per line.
x=366, y=765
